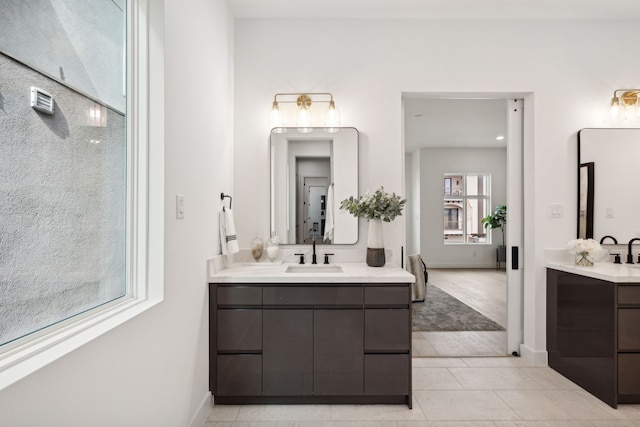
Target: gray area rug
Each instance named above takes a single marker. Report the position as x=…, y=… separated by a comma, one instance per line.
x=443, y=312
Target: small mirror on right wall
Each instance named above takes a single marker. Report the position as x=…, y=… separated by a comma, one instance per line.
x=608, y=195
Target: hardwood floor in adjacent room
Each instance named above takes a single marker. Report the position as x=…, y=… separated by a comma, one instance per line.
x=484, y=290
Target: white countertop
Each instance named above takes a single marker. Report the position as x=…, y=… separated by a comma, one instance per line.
x=616, y=273
x=276, y=273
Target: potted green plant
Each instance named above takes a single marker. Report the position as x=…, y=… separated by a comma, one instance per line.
x=498, y=219
x=377, y=207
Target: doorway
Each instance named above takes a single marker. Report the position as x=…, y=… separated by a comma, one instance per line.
x=447, y=137
x=312, y=180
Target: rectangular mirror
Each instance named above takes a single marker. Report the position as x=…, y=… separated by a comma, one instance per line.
x=311, y=173
x=608, y=205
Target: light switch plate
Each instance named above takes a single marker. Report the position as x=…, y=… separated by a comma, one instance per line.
x=556, y=211
x=179, y=206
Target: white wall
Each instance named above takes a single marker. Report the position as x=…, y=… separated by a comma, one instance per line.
x=153, y=370
x=434, y=163
x=563, y=69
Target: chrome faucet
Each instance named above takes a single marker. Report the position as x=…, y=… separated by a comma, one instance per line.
x=615, y=241
x=313, y=257
x=629, y=253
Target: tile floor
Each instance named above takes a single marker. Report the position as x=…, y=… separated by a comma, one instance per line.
x=480, y=391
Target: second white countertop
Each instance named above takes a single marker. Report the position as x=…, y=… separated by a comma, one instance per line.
x=616, y=273
x=277, y=273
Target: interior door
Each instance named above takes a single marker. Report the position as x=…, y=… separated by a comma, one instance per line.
x=515, y=225
x=315, y=193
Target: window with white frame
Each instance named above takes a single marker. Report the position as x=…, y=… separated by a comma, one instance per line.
x=466, y=198
x=81, y=225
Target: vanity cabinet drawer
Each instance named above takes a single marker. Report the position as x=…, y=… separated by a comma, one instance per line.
x=239, y=295
x=387, y=330
x=239, y=375
x=239, y=330
x=629, y=374
x=386, y=374
x=628, y=294
x=313, y=296
x=629, y=329
x=387, y=295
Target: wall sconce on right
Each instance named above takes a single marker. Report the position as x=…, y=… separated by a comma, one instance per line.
x=624, y=106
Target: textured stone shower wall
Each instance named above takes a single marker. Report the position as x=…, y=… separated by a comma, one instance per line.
x=62, y=204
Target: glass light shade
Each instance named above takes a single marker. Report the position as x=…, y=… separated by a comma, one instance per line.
x=615, y=108
x=332, y=116
x=276, y=119
x=303, y=120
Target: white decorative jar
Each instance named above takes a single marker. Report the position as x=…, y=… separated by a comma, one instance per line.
x=272, y=247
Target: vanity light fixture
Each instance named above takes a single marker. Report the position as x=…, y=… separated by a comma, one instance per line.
x=626, y=102
x=304, y=101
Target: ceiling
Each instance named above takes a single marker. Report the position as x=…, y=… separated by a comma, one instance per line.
x=454, y=123
x=438, y=9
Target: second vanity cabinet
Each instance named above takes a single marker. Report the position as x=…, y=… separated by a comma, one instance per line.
x=310, y=343
x=593, y=334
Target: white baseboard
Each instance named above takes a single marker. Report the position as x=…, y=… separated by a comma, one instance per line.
x=535, y=358
x=201, y=415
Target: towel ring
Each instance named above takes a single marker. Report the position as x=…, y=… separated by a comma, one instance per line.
x=222, y=197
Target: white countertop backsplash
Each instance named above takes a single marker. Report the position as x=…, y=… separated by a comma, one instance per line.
x=605, y=269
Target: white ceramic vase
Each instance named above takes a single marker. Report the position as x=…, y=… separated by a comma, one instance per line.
x=375, y=244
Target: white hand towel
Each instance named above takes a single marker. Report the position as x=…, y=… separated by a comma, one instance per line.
x=328, y=215
x=228, y=239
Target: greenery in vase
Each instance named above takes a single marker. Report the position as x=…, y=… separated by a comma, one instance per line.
x=379, y=205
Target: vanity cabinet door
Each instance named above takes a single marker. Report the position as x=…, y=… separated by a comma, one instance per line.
x=239, y=330
x=338, y=364
x=288, y=352
x=629, y=376
x=387, y=329
x=629, y=329
x=239, y=375
x=386, y=374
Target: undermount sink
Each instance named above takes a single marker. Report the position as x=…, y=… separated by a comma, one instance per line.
x=314, y=269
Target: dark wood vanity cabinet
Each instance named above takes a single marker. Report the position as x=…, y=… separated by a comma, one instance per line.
x=593, y=334
x=315, y=343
